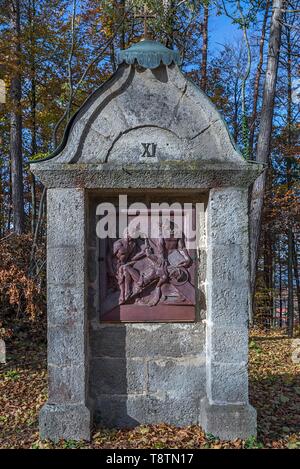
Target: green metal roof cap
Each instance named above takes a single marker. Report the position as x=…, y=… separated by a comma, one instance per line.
x=149, y=54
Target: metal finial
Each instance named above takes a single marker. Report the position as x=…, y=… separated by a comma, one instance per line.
x=146, y=14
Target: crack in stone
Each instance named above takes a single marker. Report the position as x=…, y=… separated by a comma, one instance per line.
x=124, y=132
x=174, y=114
x=204, y=130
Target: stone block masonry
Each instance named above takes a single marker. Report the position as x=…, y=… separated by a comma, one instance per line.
x=121, y=374
x=138, y=368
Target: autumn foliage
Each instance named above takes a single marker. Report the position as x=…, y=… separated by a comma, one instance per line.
x=21, y=292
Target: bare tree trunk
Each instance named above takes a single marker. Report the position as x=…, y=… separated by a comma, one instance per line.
x=74, y=89
x=32, y=264
x=32, y=13
x=290, y=285
x=296, y=275
x=289, y=184
x=257, y=78
x=113, y=58
x=2, y=215
x=33, y=203
x=264, y=136
x=280, y=288
x=170, y=12
x=203, y=82
x=16, y=124
x=122, y=5
x=236, y=112
x=9, y=200
x=268, y=274
x=245, y=128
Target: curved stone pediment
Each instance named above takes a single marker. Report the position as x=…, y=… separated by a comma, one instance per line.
x=144, y=118
x=143, y=106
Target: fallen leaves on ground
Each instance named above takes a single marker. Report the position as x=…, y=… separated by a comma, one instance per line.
x=274, y=391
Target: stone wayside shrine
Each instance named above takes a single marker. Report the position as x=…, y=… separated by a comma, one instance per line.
x=147, y=330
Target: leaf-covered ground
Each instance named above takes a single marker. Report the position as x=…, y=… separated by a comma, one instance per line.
x=274, y=391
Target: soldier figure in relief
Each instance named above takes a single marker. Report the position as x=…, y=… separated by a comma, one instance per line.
x=159, y=262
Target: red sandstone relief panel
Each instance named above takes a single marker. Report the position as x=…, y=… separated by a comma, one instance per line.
x=147, y=279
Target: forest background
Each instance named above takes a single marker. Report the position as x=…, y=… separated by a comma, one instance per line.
x=243, y=54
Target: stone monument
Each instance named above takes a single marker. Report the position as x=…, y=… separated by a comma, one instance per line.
x=146, y=330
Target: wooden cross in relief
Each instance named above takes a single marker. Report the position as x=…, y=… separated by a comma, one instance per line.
x=146, y=15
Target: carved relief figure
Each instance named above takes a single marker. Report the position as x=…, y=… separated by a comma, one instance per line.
x=152, y=271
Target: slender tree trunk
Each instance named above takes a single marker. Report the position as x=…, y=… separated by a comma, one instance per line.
x=236, y=112
x=290, y=285
x=123, y=29
x=32, y=263
x=33, y=203
x=245, y=124
x=264, y=136
x=33, y=151
x=2, y=217
x=289, y=185
x=268, y=274
x=9, y=200
x=296, y=275
x=112, y=57
x=16, y=124
x=170, y=23
x=257, y=78
x=280, y=289
x=203, y=82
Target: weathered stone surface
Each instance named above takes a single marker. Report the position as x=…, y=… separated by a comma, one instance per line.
x=91, y=222
x=147, y=340
x=228, y=264
x=65, y=421
x=65, y=385
x=181, y=378
x=162, y=175
x=89, y=110
x=147, y=373
x=65, y=207
x=231, y=306
x=228, y=207
x=228, y=422
x=228, y=283
x=202, y=265
x=139, y=385
x=228, y=413
x=227, y=260
x=73, y=272
x=65, y=305
x=66, y=344
x=228, y=344
x=144, y=100
x=132, y=410
x=228, y=383
x=118, y=376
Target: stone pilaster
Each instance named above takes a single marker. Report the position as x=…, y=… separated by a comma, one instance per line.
x=225, y=411
x=66, y=415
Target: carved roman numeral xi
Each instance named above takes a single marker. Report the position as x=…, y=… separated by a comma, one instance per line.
x=149, y=150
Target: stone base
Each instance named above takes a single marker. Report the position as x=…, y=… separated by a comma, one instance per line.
x=228, y=421
x=66, y=421
x=133, y=410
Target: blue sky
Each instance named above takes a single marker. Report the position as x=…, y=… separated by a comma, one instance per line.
x=221, y=30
